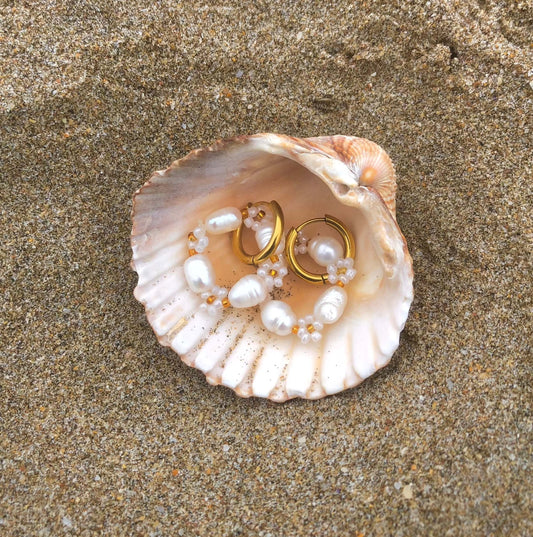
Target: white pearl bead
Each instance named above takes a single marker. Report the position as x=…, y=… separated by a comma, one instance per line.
x=325, y=250
x=278, y=317
x=199, y=273
x=247, y=292
x=330, y=305
x=263, y=234
x=223, y=220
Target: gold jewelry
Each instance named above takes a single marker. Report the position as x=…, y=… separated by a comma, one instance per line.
x=344, y=232
x=277, y=234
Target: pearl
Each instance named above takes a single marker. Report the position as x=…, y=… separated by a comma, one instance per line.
x=249, y=291
x=330, y=305
x=325, y=250
x=278, y=317
x=263, y=234
x=223, y=220
x=199, y=273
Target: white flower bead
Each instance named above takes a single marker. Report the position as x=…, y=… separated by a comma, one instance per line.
x=350, y=273
x=306, y=338
x=199, y=231
x=253, y=211
x=278, y=282
x=317, y=325
x=248, y=222
x=316, y=336
x=220, y=292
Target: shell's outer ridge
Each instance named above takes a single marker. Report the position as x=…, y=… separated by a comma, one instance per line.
x=357, y=184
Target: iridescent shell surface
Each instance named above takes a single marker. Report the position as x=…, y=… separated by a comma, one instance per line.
x=350, y=178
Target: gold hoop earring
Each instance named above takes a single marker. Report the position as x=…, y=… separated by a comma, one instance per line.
x=277, y=234
x=292, y=236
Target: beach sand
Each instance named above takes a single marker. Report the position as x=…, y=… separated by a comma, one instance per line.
x=105, y=432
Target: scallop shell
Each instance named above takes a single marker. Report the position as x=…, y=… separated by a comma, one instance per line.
x=350, y=178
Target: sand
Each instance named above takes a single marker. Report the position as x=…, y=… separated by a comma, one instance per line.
x=103, y=431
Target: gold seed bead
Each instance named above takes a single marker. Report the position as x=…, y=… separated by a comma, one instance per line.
x=341, y=270
x=192, y=237
x=244, y=213
x=273, y=272
x=226, y=303
x=261, y=214
x=274, y=258
x=192, y=252
x=295, y=329
x=340, y=284
x=211, y=299
x=310, y=328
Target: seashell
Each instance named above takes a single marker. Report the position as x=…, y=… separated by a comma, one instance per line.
x=350, y=178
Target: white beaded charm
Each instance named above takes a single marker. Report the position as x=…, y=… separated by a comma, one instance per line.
x=249, y=291
x=324, y=250
x=199, y=273
x=223, y=221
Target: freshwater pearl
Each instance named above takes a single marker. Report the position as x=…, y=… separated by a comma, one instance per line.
x=249, y=291
x=223, y=220
x=325, y=250
x=278, y=317
x=199, y=273
x=263, y=234
x=330, y=305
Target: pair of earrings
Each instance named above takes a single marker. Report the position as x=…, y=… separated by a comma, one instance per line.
x=276, y=255
x=326, y=252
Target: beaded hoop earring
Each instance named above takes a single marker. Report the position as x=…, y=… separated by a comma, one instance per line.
x=266, y=219
x=324, y=258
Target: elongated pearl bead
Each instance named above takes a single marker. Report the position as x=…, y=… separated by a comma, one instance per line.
x=223, y=220
x=249, y=291
x=330, y=305
x=325, y=250
x=278, y=317
x=263, y=234
x=199, y=273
